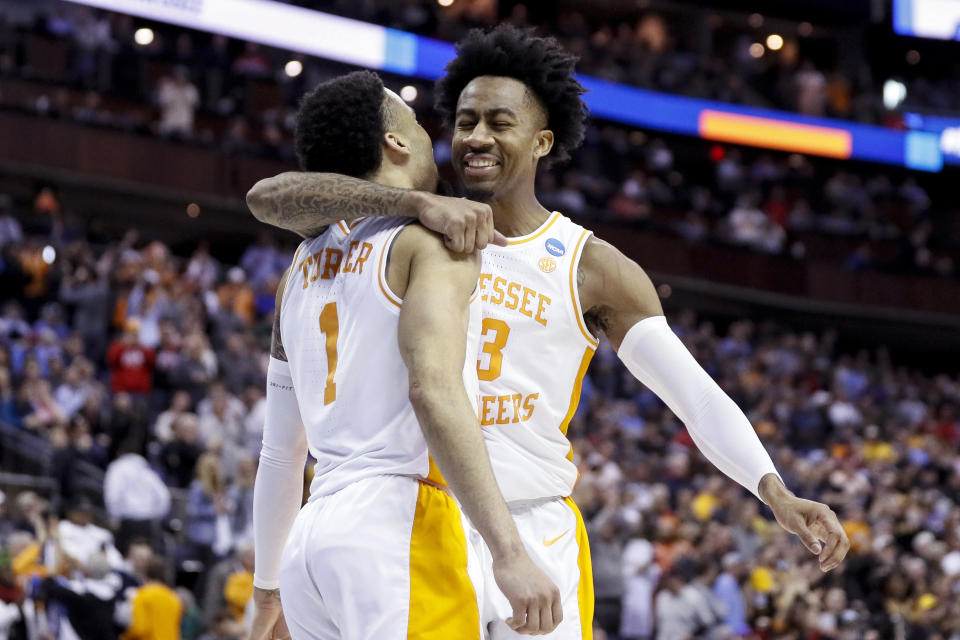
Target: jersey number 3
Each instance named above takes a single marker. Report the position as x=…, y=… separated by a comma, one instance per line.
x=493, y=347
x=330, y=325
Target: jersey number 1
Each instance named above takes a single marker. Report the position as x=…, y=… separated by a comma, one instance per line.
x=330, y=325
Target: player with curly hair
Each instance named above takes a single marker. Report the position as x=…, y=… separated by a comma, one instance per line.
x=371, y=371
x=514, y=103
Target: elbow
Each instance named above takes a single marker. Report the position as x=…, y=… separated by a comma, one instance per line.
x=257, y=198
x=425, y=392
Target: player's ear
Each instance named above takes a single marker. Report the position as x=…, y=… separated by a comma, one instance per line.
x=395, y=145
x=542, y=143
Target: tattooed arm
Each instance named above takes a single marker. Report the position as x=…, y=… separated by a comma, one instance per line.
x=306, y=203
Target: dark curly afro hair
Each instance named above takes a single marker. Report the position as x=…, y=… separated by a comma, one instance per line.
x=340, y=125
x=539, y=62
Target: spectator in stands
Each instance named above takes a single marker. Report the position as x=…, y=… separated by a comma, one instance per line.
x=8, y=407
x=88, y=291
x=208, y=524
x=131, y=364
x=202, y=270
x=124, y=421
x=72, y=393
x=89, y=600
x=641, y=574
x=239, y=369
x=80, y=538
x=177, y=98
x=198, y=367
x=606, y=554
x=263, y=261
x=179, y=456
x=157, y=610
x=135, y=496
x=728, y=592
x=163, y=427
x=43, y=413
x=226, y=590
x=10, y=230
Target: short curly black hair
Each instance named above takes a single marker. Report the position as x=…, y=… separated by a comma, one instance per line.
x=539, y=62
x=341, y=123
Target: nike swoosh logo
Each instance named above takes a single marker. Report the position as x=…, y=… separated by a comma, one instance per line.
x=547, y=543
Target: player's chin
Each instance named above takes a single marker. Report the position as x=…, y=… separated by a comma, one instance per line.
x=479, y=188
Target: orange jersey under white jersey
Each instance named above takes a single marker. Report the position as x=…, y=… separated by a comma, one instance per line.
x=533, y=353
x=339, y=324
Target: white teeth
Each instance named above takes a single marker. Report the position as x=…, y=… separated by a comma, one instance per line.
x=481, y=163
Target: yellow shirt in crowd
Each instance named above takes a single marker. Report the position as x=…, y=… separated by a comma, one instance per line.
x=156, y=614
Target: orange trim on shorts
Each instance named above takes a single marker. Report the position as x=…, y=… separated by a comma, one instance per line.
x=574, y=293
x=585, y=597
x=434, y=475
x=575, y=394
x=443, y=602
x=381, y=276
x=553, y=218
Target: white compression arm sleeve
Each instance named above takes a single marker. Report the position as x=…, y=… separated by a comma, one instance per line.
x=658, y=359
x=278, y=491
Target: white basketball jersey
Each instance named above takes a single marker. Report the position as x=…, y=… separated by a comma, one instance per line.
x=533, y=353
x=339, y=324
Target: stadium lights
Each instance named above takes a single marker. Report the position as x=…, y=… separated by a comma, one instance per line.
x=756, y=50
x=894, y=93
x=805, y=29
x=293, y=68
x=143, y=36
x=913, y=56
x=408, y=93
x=444, y=3
x=755, y=20
x=49, y=254
x=774, y=42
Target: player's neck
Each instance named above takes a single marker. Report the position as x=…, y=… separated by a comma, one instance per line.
x=390, y=176
x=518, y=214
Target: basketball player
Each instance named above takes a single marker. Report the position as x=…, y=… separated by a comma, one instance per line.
x=370, y=337
x=513, y=102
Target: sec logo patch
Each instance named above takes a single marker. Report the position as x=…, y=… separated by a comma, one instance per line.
x=548, y=265
x=555, y=247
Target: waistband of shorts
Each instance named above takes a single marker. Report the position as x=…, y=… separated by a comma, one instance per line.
x=521, y=505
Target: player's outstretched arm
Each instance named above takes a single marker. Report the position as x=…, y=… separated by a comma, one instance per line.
x=278, y=490
x=306, y=202
x=432, y=339
x=620, y=300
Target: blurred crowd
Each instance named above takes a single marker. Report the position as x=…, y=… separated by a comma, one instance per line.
x=143, y=371
x=681, y=552
x=691, y=52
x=683, y=49
x=235, y=96
x=771, y=203
x=134, y=380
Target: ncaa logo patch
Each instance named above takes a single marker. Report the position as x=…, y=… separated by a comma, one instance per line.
x=555, y=247
x=548, y=265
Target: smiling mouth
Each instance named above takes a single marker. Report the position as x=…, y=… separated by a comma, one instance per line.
x=480, y=168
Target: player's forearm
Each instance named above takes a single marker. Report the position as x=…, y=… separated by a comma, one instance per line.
x=306, y=202
x=658, y=359
x=278, y=490
x=456, y=445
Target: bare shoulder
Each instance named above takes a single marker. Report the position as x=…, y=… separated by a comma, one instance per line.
x=416, y=244
x=615, y=292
